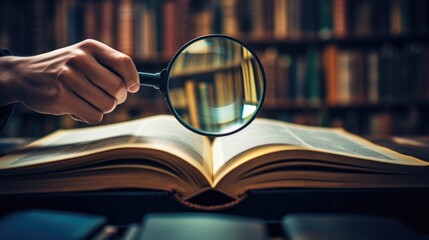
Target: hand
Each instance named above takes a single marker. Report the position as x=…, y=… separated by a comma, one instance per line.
x=85, y=80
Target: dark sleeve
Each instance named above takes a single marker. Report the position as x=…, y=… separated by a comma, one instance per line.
x=5, y=111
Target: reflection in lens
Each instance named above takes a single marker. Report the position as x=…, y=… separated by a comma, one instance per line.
x=215, y=85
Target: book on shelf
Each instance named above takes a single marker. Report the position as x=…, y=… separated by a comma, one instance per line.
x=126, y=27
x=159, y=153
x=341, y=76
x=148, y=28
x=296, y=19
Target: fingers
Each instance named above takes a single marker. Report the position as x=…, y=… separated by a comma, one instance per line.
x=83, y=100
x=85, y=89
x=115, y=61
x=99, y=76
x=99, y=79
x=85, y=80
x=80, y=110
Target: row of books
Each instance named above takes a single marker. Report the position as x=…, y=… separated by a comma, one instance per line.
x=153, y=28
x=140, y=28
x=336, y=76
x=337, y=18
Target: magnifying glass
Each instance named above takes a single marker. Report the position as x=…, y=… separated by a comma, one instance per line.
x=214, y=85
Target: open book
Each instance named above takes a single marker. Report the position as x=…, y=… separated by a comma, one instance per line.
x=159, y=153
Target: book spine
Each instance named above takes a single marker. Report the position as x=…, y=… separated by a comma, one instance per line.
x=282, y=87
x=373, y=77
x=60, y=23
x=90, y=20
x=325, y=19
x=175, y=25
x=395, y=17
x=358, y=88
x=301, y=80
x=313, y=76
x=107, y=22
x=125, y=27
x=280, y=18
x=345, y=77
x=269, y=60
x=41, y=25
x=330, y=56
x=362, y=18
x=170, y=26
x=340, y=17
x=229, y=20
x=257, y=16
x=268, y=18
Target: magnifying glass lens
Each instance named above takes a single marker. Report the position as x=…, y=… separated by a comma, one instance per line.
x=215, y=85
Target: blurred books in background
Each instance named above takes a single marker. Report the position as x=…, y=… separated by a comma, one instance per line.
x=349, y=63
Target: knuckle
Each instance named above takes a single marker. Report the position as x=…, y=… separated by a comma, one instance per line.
x=123, y=60
x=64, y=73
x=89, y=43
x=78, y=56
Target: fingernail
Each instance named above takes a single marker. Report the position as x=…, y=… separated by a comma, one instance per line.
x=134, y=88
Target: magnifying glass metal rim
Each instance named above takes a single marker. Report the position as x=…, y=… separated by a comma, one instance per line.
x=161, y=80
x=200, y=131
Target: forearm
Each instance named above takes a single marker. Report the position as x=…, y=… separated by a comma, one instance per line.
x=8, y=94
x=6, y=100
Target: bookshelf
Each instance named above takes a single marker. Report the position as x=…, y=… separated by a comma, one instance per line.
x=357, y=64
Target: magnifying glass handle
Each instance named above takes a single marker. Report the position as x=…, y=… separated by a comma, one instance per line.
x=155, y=80
x=150, y=79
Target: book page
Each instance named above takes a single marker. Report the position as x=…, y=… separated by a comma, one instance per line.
x=265, y=132
x=160, y=132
